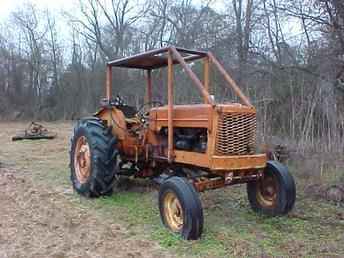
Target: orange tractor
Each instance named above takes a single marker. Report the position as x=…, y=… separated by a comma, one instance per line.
x=186, y=149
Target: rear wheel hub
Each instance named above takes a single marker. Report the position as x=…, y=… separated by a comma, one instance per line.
x=82, y=160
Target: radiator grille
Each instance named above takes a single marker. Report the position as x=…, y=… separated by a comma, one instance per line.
x=236, y=134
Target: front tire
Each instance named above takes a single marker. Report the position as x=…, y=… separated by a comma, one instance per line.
x=92, y=156
x=180, y=208
x=275, y=193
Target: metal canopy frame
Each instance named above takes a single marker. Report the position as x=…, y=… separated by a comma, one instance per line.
x=155, y=59
x=168, y=57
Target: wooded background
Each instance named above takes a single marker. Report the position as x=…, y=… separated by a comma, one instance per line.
x=287, y=55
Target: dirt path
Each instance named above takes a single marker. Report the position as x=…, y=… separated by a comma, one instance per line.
x=37, y=222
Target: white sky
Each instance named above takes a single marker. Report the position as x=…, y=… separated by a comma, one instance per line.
x=57, y=6
x=6, y=6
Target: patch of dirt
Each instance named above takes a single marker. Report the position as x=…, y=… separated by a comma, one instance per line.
x=41, y=222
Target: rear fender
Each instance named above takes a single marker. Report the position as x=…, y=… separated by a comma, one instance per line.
x=115, y=118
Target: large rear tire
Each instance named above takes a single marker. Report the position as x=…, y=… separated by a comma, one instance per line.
x=180, y=208
x=275, y=193
x=92, y=158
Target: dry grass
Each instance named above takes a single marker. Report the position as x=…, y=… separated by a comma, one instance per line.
x=313, y=229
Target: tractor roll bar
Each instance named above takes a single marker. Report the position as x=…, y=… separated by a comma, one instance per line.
x=153, y=59
x=230, y=81
x=192, y=76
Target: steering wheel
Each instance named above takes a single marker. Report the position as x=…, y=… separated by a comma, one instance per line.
x=143, y=112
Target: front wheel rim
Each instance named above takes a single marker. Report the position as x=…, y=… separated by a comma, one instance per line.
x=82, y=160
x=173, y=212
x=266, y=191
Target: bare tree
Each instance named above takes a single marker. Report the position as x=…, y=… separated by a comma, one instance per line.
x=28, y=22
x=243, y=12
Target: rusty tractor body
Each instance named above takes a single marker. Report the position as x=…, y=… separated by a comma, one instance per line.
x=186, y=149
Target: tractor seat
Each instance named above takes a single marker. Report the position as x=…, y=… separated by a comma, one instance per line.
x=128, y=111
x=129, y=114
x=133, y=120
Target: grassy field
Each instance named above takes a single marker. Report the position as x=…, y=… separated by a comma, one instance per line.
x=315, y=228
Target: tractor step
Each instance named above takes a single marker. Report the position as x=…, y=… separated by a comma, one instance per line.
x=160, y=179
